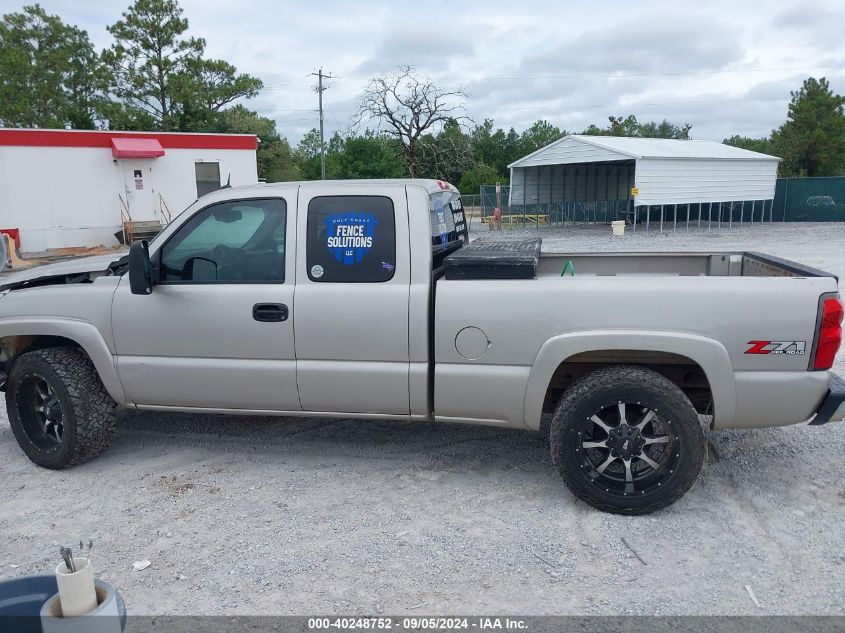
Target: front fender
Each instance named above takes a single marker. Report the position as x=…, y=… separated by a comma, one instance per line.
x=83, y=333
x=708, y=353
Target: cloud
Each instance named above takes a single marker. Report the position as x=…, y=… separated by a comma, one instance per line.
x=725, y=66
x=421, y=48
x=809, y=16
x=653, y=43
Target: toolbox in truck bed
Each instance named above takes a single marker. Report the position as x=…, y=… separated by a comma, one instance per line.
x=495, y=260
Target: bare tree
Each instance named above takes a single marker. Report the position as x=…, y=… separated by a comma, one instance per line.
x=446, y=155
x=410, y=106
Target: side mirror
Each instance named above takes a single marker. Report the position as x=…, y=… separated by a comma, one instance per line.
x=140, y=271
x=200, y=269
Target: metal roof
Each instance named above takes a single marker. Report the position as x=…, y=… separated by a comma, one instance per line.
x=636, y=148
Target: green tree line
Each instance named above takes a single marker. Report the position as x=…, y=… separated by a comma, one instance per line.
x=154, y=76
x=811, y=141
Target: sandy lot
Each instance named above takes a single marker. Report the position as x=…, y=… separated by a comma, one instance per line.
x=276, y=516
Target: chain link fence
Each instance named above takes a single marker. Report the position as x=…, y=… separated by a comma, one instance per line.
x=547, y=214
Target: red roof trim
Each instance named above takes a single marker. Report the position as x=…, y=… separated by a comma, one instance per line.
x=136, y=148
x=92, y=138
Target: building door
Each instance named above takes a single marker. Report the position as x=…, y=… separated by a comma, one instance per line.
x=140, y=196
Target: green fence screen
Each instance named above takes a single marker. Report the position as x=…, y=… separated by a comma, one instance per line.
x=809, y=200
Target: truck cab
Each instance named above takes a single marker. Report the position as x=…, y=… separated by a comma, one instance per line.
x=292, y=299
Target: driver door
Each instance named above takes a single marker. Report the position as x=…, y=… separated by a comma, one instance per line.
x=217, y=330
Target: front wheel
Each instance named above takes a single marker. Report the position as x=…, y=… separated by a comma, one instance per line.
x=59, y=410
x=626, y=440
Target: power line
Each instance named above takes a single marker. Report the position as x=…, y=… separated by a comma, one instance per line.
x=282, y=86
x=572, y=107
x=635, y=75
x=287, y=110
x=494, y=111
x=288, y=88
x=625, y=106
x=291, y=120
x=678, y=74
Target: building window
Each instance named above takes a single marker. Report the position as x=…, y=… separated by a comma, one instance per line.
x=208, y=178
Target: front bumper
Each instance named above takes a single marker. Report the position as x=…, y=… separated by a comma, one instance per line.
x=833, y=406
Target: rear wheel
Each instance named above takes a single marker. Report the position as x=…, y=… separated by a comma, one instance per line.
x=627, y=440
x=59, y=410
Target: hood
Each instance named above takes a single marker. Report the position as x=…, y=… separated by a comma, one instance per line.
x=67, y=271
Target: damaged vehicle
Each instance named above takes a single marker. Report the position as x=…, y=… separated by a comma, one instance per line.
x=363, y=299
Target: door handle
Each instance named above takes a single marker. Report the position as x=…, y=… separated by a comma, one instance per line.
x=270, y=312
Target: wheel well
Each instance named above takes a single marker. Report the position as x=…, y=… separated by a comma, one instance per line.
x=13, y=346
x=684, y=372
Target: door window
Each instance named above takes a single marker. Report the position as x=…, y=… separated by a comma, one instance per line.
x=351, y=239
x=231, y=242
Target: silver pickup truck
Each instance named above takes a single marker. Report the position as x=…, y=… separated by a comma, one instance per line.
x=363, y=299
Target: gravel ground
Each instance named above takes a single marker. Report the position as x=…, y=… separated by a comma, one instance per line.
x=276, y=516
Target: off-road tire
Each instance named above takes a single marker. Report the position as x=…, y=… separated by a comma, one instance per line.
x=626, y=383
x=89, y=412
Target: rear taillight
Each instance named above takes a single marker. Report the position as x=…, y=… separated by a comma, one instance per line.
x=830, y=333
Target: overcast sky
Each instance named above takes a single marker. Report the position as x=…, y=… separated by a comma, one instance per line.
x=726, y=67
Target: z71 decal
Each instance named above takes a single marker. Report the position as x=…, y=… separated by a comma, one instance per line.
x=795, y=348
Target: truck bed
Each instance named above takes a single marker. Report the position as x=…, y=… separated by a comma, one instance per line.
x=524, y=260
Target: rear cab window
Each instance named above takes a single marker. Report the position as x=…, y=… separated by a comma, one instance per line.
x=351, y=239
x=448, y=223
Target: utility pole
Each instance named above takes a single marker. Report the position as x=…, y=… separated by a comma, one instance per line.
x=320, y=89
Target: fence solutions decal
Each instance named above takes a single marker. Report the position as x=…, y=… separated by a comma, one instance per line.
x=350, y=236
x=442, y=227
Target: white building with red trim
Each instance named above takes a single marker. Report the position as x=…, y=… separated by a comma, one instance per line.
x=72, y=188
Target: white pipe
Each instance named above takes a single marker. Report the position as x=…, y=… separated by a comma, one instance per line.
x=76, y=589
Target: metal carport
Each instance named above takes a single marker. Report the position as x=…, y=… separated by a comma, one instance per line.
x=600, y=178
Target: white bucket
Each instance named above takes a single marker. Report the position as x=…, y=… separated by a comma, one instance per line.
x=618, y=227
